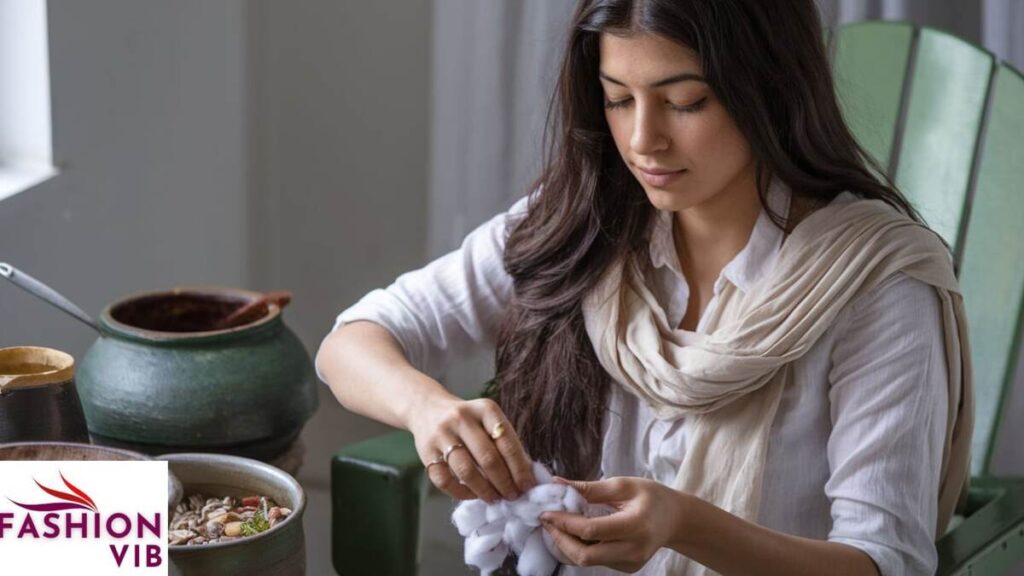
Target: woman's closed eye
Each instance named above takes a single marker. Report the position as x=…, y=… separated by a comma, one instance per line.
x=613, y=104
x=689, y=107
x=624, y=102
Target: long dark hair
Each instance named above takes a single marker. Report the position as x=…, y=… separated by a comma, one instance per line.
x=767, y=63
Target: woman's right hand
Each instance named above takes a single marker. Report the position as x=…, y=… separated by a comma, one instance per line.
x=480, y=466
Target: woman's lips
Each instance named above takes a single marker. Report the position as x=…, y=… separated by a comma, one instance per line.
x=659, y=178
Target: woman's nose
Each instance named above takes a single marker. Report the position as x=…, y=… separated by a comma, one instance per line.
x=648, y=131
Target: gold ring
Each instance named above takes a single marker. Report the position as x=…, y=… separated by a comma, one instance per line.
x=438, y=460
x=498, y=430
x=448, y=451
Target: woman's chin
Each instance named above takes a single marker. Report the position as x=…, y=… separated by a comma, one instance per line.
x=668, y=200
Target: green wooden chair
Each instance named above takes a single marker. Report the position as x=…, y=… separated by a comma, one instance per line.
x=946, y=121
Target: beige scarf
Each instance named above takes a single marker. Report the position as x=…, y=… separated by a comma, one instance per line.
x=730, y=379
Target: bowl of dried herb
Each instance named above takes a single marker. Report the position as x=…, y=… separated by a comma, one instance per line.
x=236, y=516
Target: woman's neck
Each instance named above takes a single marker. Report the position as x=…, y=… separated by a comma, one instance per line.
x=709, y=235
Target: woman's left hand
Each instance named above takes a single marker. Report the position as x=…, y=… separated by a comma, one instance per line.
x=646, y=518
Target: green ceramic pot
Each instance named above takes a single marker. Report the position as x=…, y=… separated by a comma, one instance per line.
x=161, y=378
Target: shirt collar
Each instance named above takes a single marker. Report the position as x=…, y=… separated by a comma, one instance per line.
x=752, y=261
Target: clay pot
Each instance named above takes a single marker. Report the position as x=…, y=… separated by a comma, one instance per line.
x=160, y=379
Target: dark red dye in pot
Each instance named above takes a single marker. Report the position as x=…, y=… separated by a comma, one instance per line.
x=182, y=312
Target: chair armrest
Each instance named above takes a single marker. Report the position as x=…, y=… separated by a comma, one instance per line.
x=377, y=489
x=990, y=540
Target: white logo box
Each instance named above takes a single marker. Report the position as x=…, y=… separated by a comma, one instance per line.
x=100, y=518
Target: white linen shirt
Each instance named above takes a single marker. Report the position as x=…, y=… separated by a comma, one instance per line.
x=855, y=448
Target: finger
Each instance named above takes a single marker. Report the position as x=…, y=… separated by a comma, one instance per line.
x=512, y=451
x=610, y=490
x=613, y=527
x=462, y=465
x=509, y=445
x=487, y=457
x=584, y=554
x=441, y=476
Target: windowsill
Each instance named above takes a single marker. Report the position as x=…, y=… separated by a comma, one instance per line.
x=14, y=179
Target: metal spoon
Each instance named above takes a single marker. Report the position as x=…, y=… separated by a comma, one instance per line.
x=37, y=288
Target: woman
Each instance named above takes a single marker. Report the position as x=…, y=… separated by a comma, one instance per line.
x=711, y=314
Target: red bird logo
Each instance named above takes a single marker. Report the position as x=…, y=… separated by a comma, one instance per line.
x=77, y=500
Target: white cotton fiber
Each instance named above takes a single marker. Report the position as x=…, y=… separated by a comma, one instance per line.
x=536, y=560
x=469, y=516
x=493, y=530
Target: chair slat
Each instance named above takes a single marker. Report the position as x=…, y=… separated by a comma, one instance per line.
x=943, y=116
x=869, y=68
x=992, y=270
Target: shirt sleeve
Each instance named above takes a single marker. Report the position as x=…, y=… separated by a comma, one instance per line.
x=888, y=403
x=452, y=305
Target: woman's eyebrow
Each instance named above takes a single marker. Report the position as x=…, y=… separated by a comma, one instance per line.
x=685, y=76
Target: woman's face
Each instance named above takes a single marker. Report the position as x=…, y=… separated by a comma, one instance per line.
x=672, y=132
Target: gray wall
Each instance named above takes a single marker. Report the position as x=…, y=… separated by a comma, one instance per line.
x=246, y=144
x=148, y=131
x=339, y=165
x=339, y=100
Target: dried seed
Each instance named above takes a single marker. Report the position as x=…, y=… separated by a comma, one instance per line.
x=180, y=536
x=233, y=529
